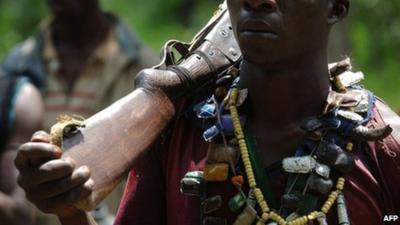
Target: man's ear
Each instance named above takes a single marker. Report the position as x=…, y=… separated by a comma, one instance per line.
x=338, y=9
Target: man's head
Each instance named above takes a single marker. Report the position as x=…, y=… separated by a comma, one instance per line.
x=274, y=31
x=73, y=8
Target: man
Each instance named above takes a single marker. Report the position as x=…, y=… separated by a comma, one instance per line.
x=82, y=59
x=301, y=137
x=21, y=113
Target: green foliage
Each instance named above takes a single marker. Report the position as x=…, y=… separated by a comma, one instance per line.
x=17, y=20
x=159, y=20
x=374, y=31
x=374, y=40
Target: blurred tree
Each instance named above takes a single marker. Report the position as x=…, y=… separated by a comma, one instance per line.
x=18, y=19
x=374, y=36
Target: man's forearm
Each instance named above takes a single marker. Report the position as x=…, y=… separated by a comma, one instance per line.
x=78, y=217
x=113, y=139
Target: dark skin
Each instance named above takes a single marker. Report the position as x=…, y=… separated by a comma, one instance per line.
x=14, y=208
x=78, y=28
x=274, y=59
x=284, y=46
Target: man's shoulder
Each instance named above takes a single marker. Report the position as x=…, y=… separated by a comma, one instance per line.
x=23, y=50
x=129, y=43
x=385, y=154
x=25, y=59
x=384, y=115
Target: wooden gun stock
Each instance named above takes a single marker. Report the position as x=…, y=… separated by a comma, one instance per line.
x=113, y=139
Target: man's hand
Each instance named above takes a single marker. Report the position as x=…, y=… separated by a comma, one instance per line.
x=53, y=184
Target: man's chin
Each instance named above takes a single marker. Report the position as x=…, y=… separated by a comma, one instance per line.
x=259, y=57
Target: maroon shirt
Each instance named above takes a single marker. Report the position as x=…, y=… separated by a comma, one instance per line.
x=152, y=195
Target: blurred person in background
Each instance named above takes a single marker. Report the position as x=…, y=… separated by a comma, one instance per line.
x=82, y=59
x=21, y=113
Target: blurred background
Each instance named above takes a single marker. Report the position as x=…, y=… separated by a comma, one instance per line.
x=370, y=36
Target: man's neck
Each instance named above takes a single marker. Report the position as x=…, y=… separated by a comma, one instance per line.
x=285, y=95
x=281, y=98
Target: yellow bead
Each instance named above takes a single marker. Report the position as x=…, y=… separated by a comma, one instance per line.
x=238, y=128
x=249, y=172
x=260, y=199
x=281, y=221
x=251, y=178
x=257, y=191
x=236, y=119
x=238, y=132
x=240, y=136
x=252, y=183
x=311, y=217
x=243, y=147
x=261, y=222
x=250, y=175
x=264, y=206
x=349, y=147
x=265, y=216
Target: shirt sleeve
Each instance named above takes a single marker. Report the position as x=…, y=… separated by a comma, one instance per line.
x=143, y=202
x=385, y=157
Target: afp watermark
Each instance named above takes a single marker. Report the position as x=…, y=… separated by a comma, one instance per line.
x=391, y=218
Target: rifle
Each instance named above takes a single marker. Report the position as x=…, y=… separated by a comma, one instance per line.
x=111, y=141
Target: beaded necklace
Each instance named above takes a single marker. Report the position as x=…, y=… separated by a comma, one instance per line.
x=267, y=214
x=332, y=136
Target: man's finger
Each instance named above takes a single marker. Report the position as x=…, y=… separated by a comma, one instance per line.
x=58, y=203
x=50, y=171
x=33, y=154
x=55, y=188
x=41, y=136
